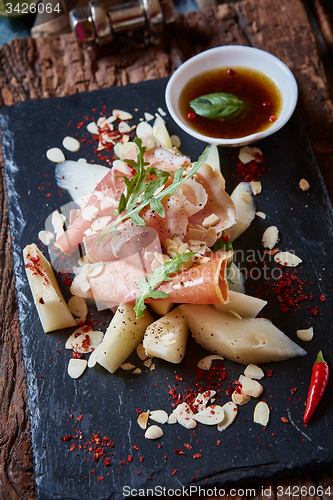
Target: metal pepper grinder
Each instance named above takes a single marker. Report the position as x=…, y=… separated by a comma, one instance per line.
x=102, y=23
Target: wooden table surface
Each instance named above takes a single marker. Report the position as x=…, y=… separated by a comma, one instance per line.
x=45, y=67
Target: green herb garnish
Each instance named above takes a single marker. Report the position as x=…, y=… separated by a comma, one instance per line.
x=148, y=283
x=143, y=191
x=139, y=182
x=217, y=106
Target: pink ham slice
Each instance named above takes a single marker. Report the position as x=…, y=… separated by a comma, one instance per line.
x=218, y=202
x=105, y=198
x=117, y=283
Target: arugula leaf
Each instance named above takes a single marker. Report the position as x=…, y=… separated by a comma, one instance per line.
x=217, y=106
x=147, y=191
x=148, y=283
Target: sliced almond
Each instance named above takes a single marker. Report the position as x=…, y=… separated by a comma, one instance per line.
x=93, y=128
x=148, y=117
x=261, y=413
x=148, y=362
x=270, y=237
x=206, y=362
x=262, y=215
x=122, y=115
x=78, y=306
x=211, y=415
x=71, y=144
x=124, y=128
x=202, y=399
x=76, y=367
x=89, y=213
x=159, y=416
x=287, y=259
x=140, y=350
x=137, y=371
x=246, y=197
x=143, y=419
x=305, y=335
x=239, y=398
x=175, y=141
x=127, y=367
x=58, y=221
x=154, y=432
x=45, y=237
x=250, y=387
x=230, y=413
x=172, y=419
x=211, y=220
x=55, y=155
x=253, y=371
x=144, y=128
x=304, y=185
x=256, y=187
x=185, y=416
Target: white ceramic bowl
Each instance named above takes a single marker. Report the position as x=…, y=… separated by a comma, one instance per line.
x=232, y=56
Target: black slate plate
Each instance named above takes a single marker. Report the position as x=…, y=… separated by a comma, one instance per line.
x=108, y=402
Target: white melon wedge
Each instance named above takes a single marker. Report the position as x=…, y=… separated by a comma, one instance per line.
x=250, y=340
x=161, y=133
x=166, y=338
x=213, y=158
x=161, y=307
x=123, y=335
x=51, y=306
x=242, y=304
x=245, y=209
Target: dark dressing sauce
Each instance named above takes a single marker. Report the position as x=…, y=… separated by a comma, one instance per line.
x=259, y=93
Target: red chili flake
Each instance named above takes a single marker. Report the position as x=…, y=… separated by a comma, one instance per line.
x=122, y=462
x=270, y=372
x=251, y=171
x=188, y=446
x=197, y=455
x=79, y=418
x=322, y=298
x=135, y=447
x=218, y=442
x=179, y=452
x=272, y=118
x=100, y=478
x=48, y=195
x=190, y=116
x=173, y=472
x=130, y=458
x=285, y=420
x=314, y=311
x=72, y=448
x=293, y=390
x=266, y=104
x=141, y=459
x=230, y=71
x=66, y=438
x=41, y=300
x=93, y=472
x=107, y=461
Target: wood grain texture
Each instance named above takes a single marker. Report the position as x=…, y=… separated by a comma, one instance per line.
x=46, y=67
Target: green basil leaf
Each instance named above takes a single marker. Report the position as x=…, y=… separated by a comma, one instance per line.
x=217, y=106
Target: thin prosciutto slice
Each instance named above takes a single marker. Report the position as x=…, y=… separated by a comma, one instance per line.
x=200, y=284
x=218, y=202
x=102, y=203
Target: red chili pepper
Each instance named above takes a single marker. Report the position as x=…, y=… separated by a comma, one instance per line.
x=319, y=380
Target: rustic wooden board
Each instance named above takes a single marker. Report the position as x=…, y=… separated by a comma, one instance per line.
x=56, y=66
